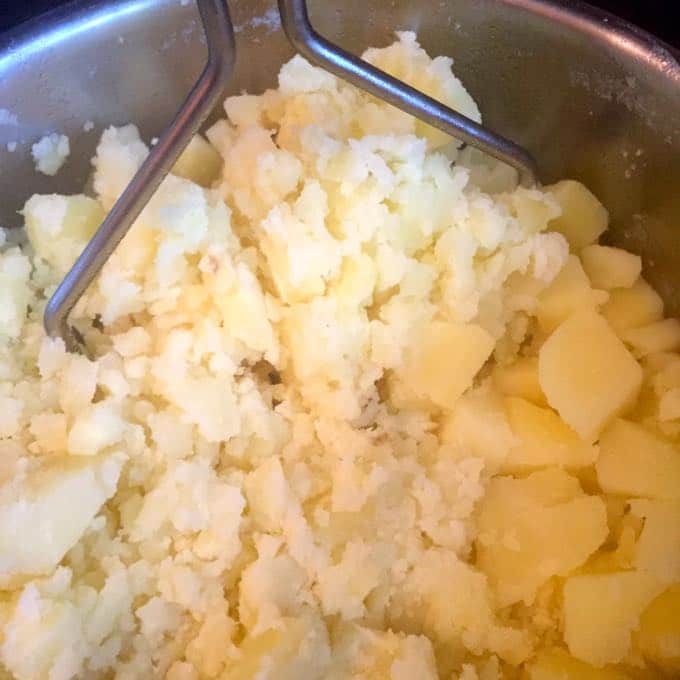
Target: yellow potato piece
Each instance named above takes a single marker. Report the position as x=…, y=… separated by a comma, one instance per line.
x=543, y=439
x=534, y=528
x=632, y=307
x=661, y=336
x=658, y=547
x=556, y=664
x=59, y=227
x=445, y=359
x=659, y=634
x=200, y=162
x=587, y=374
x=520, y=379
x=44, y=514
x=602, y=610
x=569, y=292
x=635, y=462
x=583, y=217
x=609, y=268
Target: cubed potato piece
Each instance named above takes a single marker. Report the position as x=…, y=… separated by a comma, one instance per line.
x=635, y=462
x=570, y=291
x=200, y=162
x=583, y=217
x=543, y=439
x=520, y=379
x=478, y=426
x=669, y=405
x=44, y=514
x=602, y=610
x=556, y=664
x=659, y=635
x=444, y=361
x=609, y=268
x=658, y=547
x=534, y=528
x=632, y=307
x=587, y=374
x=94, y=429
x=661, y=336
x=59, y=227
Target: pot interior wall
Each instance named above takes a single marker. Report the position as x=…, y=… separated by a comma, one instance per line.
x=591, y=98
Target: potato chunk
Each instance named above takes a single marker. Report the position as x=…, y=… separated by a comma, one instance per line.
x=556, y=664
x=543, y=439
x=534, y=528
x=587, y=374
x=609, y=268
x=59, y=227
x=659, y=635
x=200, y=162
x=569, y=292
x=602, y=610
x=635, y=462
x=43, y=514
x=520, y=379
x=661, y=336
x=583, y=217
x=632, y=307
x=444, y=360
x=658, y=547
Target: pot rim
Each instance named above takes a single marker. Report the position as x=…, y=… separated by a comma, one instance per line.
x=75, y=17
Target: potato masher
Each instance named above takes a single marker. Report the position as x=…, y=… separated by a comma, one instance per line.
x=209, y=88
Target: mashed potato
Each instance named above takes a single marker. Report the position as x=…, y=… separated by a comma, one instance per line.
x=356, y=407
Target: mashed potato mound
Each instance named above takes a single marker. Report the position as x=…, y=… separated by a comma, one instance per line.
x=327, y=429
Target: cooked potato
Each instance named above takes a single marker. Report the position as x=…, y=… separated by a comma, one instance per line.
x=583, y=217
x=609, y=268
x=602, y=610
x=520, y=379
x=587, y=374
x=659, y=634
x=444, y=360
x=633, y=307
x=557, y=664
x=570, y=291
x=199, y=162
x=658, y=548
x=635, y=462
x=543, y=439
x=534, y=528
x=661, y=336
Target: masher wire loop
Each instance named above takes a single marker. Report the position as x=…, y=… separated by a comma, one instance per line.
x=211, y=86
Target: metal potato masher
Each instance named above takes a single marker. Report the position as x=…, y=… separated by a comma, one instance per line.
x=205, y=94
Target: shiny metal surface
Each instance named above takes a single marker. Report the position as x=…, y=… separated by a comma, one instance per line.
x=201, y=100
x=589, y=96
x=324, y=53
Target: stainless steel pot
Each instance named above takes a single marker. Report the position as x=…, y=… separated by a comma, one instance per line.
x=592, y=97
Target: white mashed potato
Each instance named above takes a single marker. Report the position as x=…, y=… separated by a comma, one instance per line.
x=50, y=153
x=314, y=440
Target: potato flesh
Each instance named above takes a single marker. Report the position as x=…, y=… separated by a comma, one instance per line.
x=534, y=528
x=583, y=217
x=570, y=291
x=520, y=379
x=602, y=610
x=659, y=634
x=635, y=462
x=609, y=268
x=53, y=505
x=633, y=307
x=543, y=439
x=556, y=664
x=199, y=162
x=444, y=361
x=661, y=336
x=587, y=374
